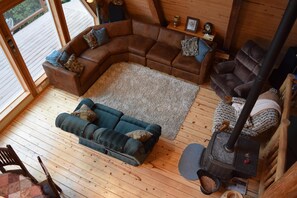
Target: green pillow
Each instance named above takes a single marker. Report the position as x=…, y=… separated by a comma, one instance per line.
x=85, y=113
x=140, y=135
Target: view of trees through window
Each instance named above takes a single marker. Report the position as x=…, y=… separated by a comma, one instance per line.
x=33, y=30
x=24, y=13
x=23, y=10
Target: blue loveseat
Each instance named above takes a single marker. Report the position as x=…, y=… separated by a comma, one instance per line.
x=107, y=133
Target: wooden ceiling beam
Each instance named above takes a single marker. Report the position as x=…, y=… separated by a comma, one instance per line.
x=232, y=24
x=157, y=12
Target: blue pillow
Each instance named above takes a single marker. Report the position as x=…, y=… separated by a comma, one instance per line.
x=203, y=49
x=101, y=36
x=63, y=58
x=53, y=58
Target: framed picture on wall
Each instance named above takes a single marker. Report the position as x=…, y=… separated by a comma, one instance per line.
x=192, y=24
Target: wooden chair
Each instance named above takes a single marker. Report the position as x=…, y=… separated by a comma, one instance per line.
x=273, y=154
x=48, y=186
x=9, y=158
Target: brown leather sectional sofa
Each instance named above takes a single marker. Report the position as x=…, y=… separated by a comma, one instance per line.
x=150, y=45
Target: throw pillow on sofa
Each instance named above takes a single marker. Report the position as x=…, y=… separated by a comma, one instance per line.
x=85, y=113
x=203, y=49
x=53, y=58
x=190, y=47
x=140, y=135
x=74, y=65
x=63, y=58
x=101, y=36
x=91, y=40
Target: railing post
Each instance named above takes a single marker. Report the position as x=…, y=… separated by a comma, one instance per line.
x=43, y=5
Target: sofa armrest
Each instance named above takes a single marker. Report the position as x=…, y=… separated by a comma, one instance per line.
x=75, y=125
x=224, y=67
x=206, y=64
x=154, y=129
x=244, y=89
x=134, y=147
x=62, y=78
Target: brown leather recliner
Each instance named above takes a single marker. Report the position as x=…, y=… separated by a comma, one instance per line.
x=236, y=77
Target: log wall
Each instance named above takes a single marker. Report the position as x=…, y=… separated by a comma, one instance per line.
x=214, y=11
x=258, y=19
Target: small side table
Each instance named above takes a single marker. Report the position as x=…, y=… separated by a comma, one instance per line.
x=199, y=33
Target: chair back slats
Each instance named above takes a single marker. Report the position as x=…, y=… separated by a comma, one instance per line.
x=6, y=158
x=54, y=188
x=9, y=157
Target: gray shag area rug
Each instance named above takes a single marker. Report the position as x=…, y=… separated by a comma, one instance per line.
x=145, y=94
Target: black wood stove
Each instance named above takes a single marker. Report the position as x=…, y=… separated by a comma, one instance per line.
x=224, y=164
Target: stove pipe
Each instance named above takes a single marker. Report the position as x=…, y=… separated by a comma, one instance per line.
x=279, y=39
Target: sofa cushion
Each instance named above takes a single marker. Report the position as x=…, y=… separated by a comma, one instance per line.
x=108, y=117
x=251, y=55
x=162, y=53
x=91, y=39
x=85, y=113
x=101, y=36
x=243, y=72
x=248, y=59
x=145, y=30
x=140, y=135
x=119, y=28
x=90, y=69
x=244, y=89
x=224, y=67
x=74, y=65
x=140, y=45
x=228, y=80
x=127, y=124
x=190, y=47
x=170, y=37
x=112, y=140
x=97, y=55
x=118, y=45
x=78, y=44
x=186, y=63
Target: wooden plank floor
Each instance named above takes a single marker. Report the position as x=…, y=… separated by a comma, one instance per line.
x=83, y=172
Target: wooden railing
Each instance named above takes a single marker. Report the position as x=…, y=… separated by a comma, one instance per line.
x=273, y=154
x=43, y=9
